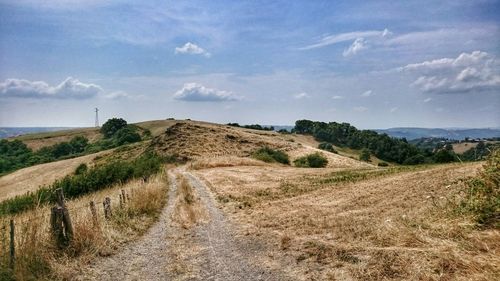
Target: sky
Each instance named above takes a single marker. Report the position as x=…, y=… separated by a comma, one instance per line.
x=374, y=64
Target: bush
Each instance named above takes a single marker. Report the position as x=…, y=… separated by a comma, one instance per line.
x=81, y=169
x=445, y=156
x=112, y=126
x=382, y=164
x=365, y=155
x=269, y=155
x=94, y=179
x=126, y=135
x=315, y=160
x=327, y=147
x=483, y=193
x=415, y=160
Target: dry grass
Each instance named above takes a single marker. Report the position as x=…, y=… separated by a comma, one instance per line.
x=39, y=258
x=394, y=227
x=39, y=140
x=31, y=178
x=187, y=211
x=224, y=161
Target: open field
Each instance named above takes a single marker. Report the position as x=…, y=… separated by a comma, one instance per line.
x=31, y=178
x=394, y=226
x=39, y=140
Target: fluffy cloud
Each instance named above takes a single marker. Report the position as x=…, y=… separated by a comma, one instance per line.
x=301, y=96
x=358, y=45
x=192, y=49
x=468, y=73
x=70, y=88
x=197, y=92
x=337, y=97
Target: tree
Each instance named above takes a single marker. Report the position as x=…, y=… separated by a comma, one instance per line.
x=79, y=143
x=365, y=155
x=445, y=156
x=112, y=126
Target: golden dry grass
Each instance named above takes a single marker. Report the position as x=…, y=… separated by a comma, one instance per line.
x=37, y=257
x=392, y=227
x=31, y=178
x=187, y=211
x=39, y=140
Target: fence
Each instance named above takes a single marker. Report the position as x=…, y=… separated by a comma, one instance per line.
x=58, y=223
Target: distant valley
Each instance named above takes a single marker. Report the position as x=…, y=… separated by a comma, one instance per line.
x=7, y=132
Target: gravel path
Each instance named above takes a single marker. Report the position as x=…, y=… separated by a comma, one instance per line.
x=222, y=253
x=144, y=259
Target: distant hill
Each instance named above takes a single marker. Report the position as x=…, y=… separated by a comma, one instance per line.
x=456, y=134
x=7, y=132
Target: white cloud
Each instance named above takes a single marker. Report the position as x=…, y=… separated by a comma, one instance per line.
x=394, y=109
x=193, y=49
x=342, y=37
x=368, y=93
x=468, y=73
x=360, y=109
x=356, y=46
x=70, y=88
x=301, y=96
x=197, y=92
x=337, y=97
x=427, y=100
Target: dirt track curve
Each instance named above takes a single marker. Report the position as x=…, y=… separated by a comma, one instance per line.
x=212, y=249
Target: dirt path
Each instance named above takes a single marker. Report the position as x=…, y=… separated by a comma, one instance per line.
x=144, y=259
x=210, y=249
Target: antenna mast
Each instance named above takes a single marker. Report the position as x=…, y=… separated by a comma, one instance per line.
x=97, y=117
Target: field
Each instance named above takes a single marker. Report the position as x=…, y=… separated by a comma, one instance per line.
x=229, y=216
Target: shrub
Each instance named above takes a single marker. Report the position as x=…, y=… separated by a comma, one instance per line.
x=96, y=178
x=482, y=197
x=126, y=135
x=327, y=147
x=445, y=156
x=269, y=155
x=82, y=168
x=365, y=155
x=383, y=164
x=414, y=160
x=314, y=160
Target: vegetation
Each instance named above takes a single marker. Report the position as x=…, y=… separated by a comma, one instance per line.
x=254, y=126
x=112, y=126
x=269, y=155
x=365, y=155
x=327, y=147
x=314, y=160
x=15, y=154
x=482, y=195
x=85, y=181
x=345, y=135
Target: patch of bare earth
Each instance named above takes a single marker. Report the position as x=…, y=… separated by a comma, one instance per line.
x=396, y=226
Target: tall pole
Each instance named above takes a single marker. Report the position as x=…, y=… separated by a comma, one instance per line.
x=96, y=117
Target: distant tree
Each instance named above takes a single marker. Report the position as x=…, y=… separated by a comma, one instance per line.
x=79, y=143
x=112, y=126
x=445, y=156
x=126, y=135
x=365, y=155
x=61, y=149
x=414, y=160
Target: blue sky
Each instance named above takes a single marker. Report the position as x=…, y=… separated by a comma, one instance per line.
x=375, y=64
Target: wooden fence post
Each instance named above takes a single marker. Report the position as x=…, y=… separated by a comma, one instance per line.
x=107, y=208
x=94, y=213
x=12, y=245
x=68, y=226
x=56, y=221
x=123, y=197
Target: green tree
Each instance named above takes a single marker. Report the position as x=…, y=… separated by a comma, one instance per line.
x=79, y=143
x=126, y=135
x=365, y=155
x=112, y=126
